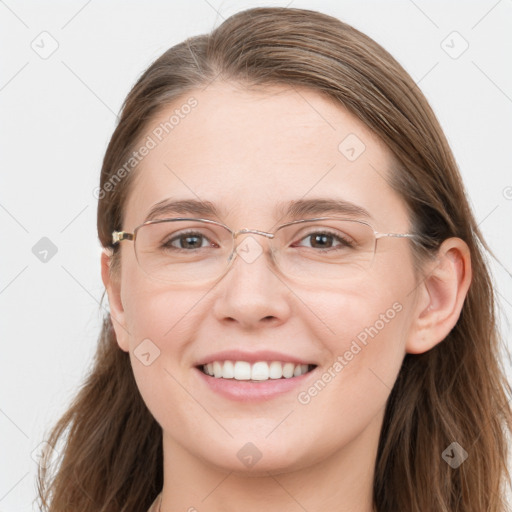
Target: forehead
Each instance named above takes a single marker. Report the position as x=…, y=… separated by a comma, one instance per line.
x=250, y=151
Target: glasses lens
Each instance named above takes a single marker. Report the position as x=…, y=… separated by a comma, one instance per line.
x=325, y=250
x=183, y=250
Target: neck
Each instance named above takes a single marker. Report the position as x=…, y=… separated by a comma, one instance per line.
x=343, y=481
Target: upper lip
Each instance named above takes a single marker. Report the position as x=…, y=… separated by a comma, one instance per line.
x=252, y=357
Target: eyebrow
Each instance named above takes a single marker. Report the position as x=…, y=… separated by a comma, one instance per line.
x=190, y=207
x=296, y=209
x=302, y=208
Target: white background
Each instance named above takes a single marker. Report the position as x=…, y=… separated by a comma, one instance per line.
x=57, y=117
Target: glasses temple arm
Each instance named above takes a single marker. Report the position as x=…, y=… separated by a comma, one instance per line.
x=118, y=236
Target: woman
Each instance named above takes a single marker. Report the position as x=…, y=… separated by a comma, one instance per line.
x=301, y=314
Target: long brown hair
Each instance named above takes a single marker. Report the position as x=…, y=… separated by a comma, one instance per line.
x=112, y=459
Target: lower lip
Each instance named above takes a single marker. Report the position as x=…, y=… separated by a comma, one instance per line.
x=250, y=391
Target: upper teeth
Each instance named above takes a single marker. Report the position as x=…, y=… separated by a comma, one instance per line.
x=261, y=370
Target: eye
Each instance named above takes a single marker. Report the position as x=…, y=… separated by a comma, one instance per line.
x=328, y=240
x=188, y=241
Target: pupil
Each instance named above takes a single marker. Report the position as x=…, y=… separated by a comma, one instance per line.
x=321, y=240
x=193, y=241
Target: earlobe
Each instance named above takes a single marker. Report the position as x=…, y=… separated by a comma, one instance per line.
x=441, y=296
x=113, y=288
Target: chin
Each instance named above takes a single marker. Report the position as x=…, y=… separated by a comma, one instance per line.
x=258, y=459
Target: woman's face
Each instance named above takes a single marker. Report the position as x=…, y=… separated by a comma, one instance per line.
x=248, y=153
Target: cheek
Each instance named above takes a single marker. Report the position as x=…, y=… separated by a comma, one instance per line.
x=162, y=327
x=367, y=331
x=153, y=312
x=374, y=351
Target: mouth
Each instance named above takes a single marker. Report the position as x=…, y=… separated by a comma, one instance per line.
x=259, y=371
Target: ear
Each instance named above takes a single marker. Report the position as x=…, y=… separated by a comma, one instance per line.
x=113, y=287
x=441, y=296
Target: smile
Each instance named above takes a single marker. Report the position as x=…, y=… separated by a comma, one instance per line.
x=257, y=371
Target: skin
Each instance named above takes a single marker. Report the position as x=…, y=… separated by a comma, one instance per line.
x=247, y=150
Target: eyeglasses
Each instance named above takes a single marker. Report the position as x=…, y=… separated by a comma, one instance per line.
x=323, y=249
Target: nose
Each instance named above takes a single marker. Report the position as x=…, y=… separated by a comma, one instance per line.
x=252, y=293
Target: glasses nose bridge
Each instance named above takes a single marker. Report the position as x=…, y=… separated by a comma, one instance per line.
x=253, y=231
x=245, y=231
